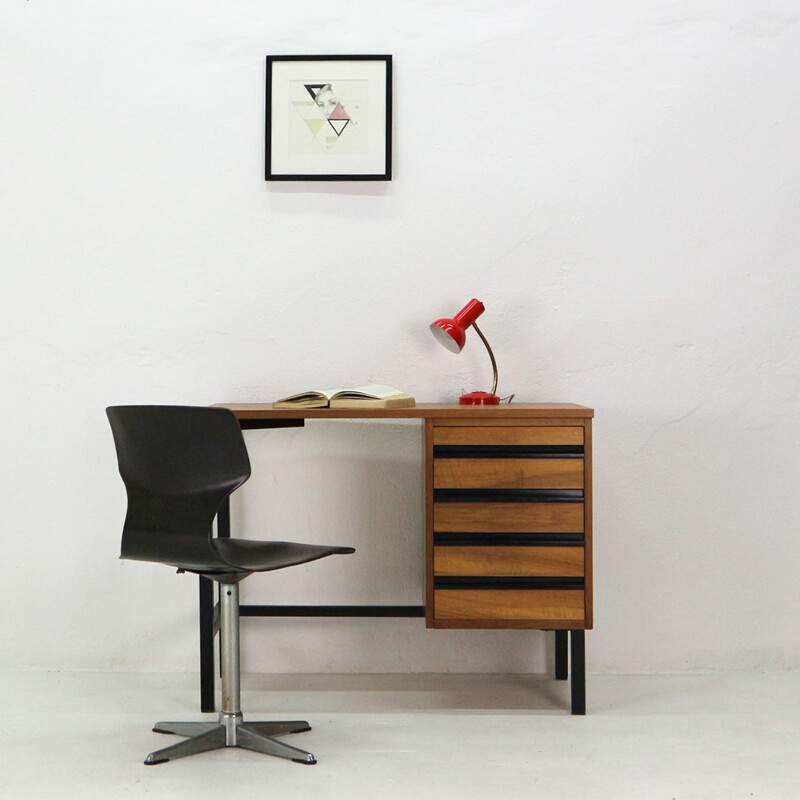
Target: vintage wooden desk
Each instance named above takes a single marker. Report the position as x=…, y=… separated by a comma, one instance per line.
x=508, y=525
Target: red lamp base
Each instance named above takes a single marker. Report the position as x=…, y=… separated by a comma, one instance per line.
x=479, y=399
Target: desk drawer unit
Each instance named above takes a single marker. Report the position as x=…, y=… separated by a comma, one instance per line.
x=509, y=524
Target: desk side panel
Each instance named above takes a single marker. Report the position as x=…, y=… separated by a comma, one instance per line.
x=587, y=523
x=429, y=486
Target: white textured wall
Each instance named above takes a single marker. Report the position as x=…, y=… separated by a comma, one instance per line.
x=617, y=181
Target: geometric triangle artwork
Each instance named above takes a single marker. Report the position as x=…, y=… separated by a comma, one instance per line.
x=338, y=113
x=313, y=89
x=338, y=125
x=314, y=125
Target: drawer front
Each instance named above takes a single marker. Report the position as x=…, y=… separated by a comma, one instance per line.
x=510, y=604
x=508, y=473
x=508, y=517
x=469, y=560
x=516, y=436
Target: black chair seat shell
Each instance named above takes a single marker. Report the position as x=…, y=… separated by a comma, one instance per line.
x=179, y=465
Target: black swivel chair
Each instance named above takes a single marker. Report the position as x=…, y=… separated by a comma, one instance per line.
x=179, y=464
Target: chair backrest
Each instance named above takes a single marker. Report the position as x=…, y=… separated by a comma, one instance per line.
x=178, y=463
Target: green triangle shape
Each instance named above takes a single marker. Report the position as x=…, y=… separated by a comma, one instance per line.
x=314, y=125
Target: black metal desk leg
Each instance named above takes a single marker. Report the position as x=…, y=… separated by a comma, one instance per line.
x=562, y=656
x=578, y=667
x=207, y=633
x=206, y=644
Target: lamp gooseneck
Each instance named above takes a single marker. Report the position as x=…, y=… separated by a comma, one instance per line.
x=491, y=357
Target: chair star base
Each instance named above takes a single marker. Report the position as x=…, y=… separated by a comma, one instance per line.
x=230, y=731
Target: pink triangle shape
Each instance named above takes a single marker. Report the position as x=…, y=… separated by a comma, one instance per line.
x=338, y=113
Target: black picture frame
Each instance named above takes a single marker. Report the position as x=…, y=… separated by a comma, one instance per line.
x=328, y=118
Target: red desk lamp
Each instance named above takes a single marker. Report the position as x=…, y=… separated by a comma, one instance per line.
x=452, y=333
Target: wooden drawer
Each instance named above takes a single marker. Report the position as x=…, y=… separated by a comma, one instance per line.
x=508, y=473
x=508, y=561
x=516, y=436
x=508, y=517
x=510, y=604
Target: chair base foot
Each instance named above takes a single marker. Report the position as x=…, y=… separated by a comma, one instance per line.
x=205, y=736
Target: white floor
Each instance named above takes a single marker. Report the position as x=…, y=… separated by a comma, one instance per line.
x=413, y=736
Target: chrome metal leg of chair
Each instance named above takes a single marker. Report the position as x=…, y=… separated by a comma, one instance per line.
x=230, y=730
x=184, y=728
x=251, y=739
x=210, y=740
x=278, y=728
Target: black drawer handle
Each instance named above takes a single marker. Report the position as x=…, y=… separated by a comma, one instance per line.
x=508, y=495
x=508, y=451
x=448, y=539
x=492, y=582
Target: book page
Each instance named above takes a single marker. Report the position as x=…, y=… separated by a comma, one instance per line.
x=375, y=390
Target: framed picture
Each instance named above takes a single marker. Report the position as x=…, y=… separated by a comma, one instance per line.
x=329, y=118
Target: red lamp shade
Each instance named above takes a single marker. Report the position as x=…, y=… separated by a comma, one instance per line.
x=452, y=334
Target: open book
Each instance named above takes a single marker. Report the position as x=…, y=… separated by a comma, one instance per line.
x=371, y=396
